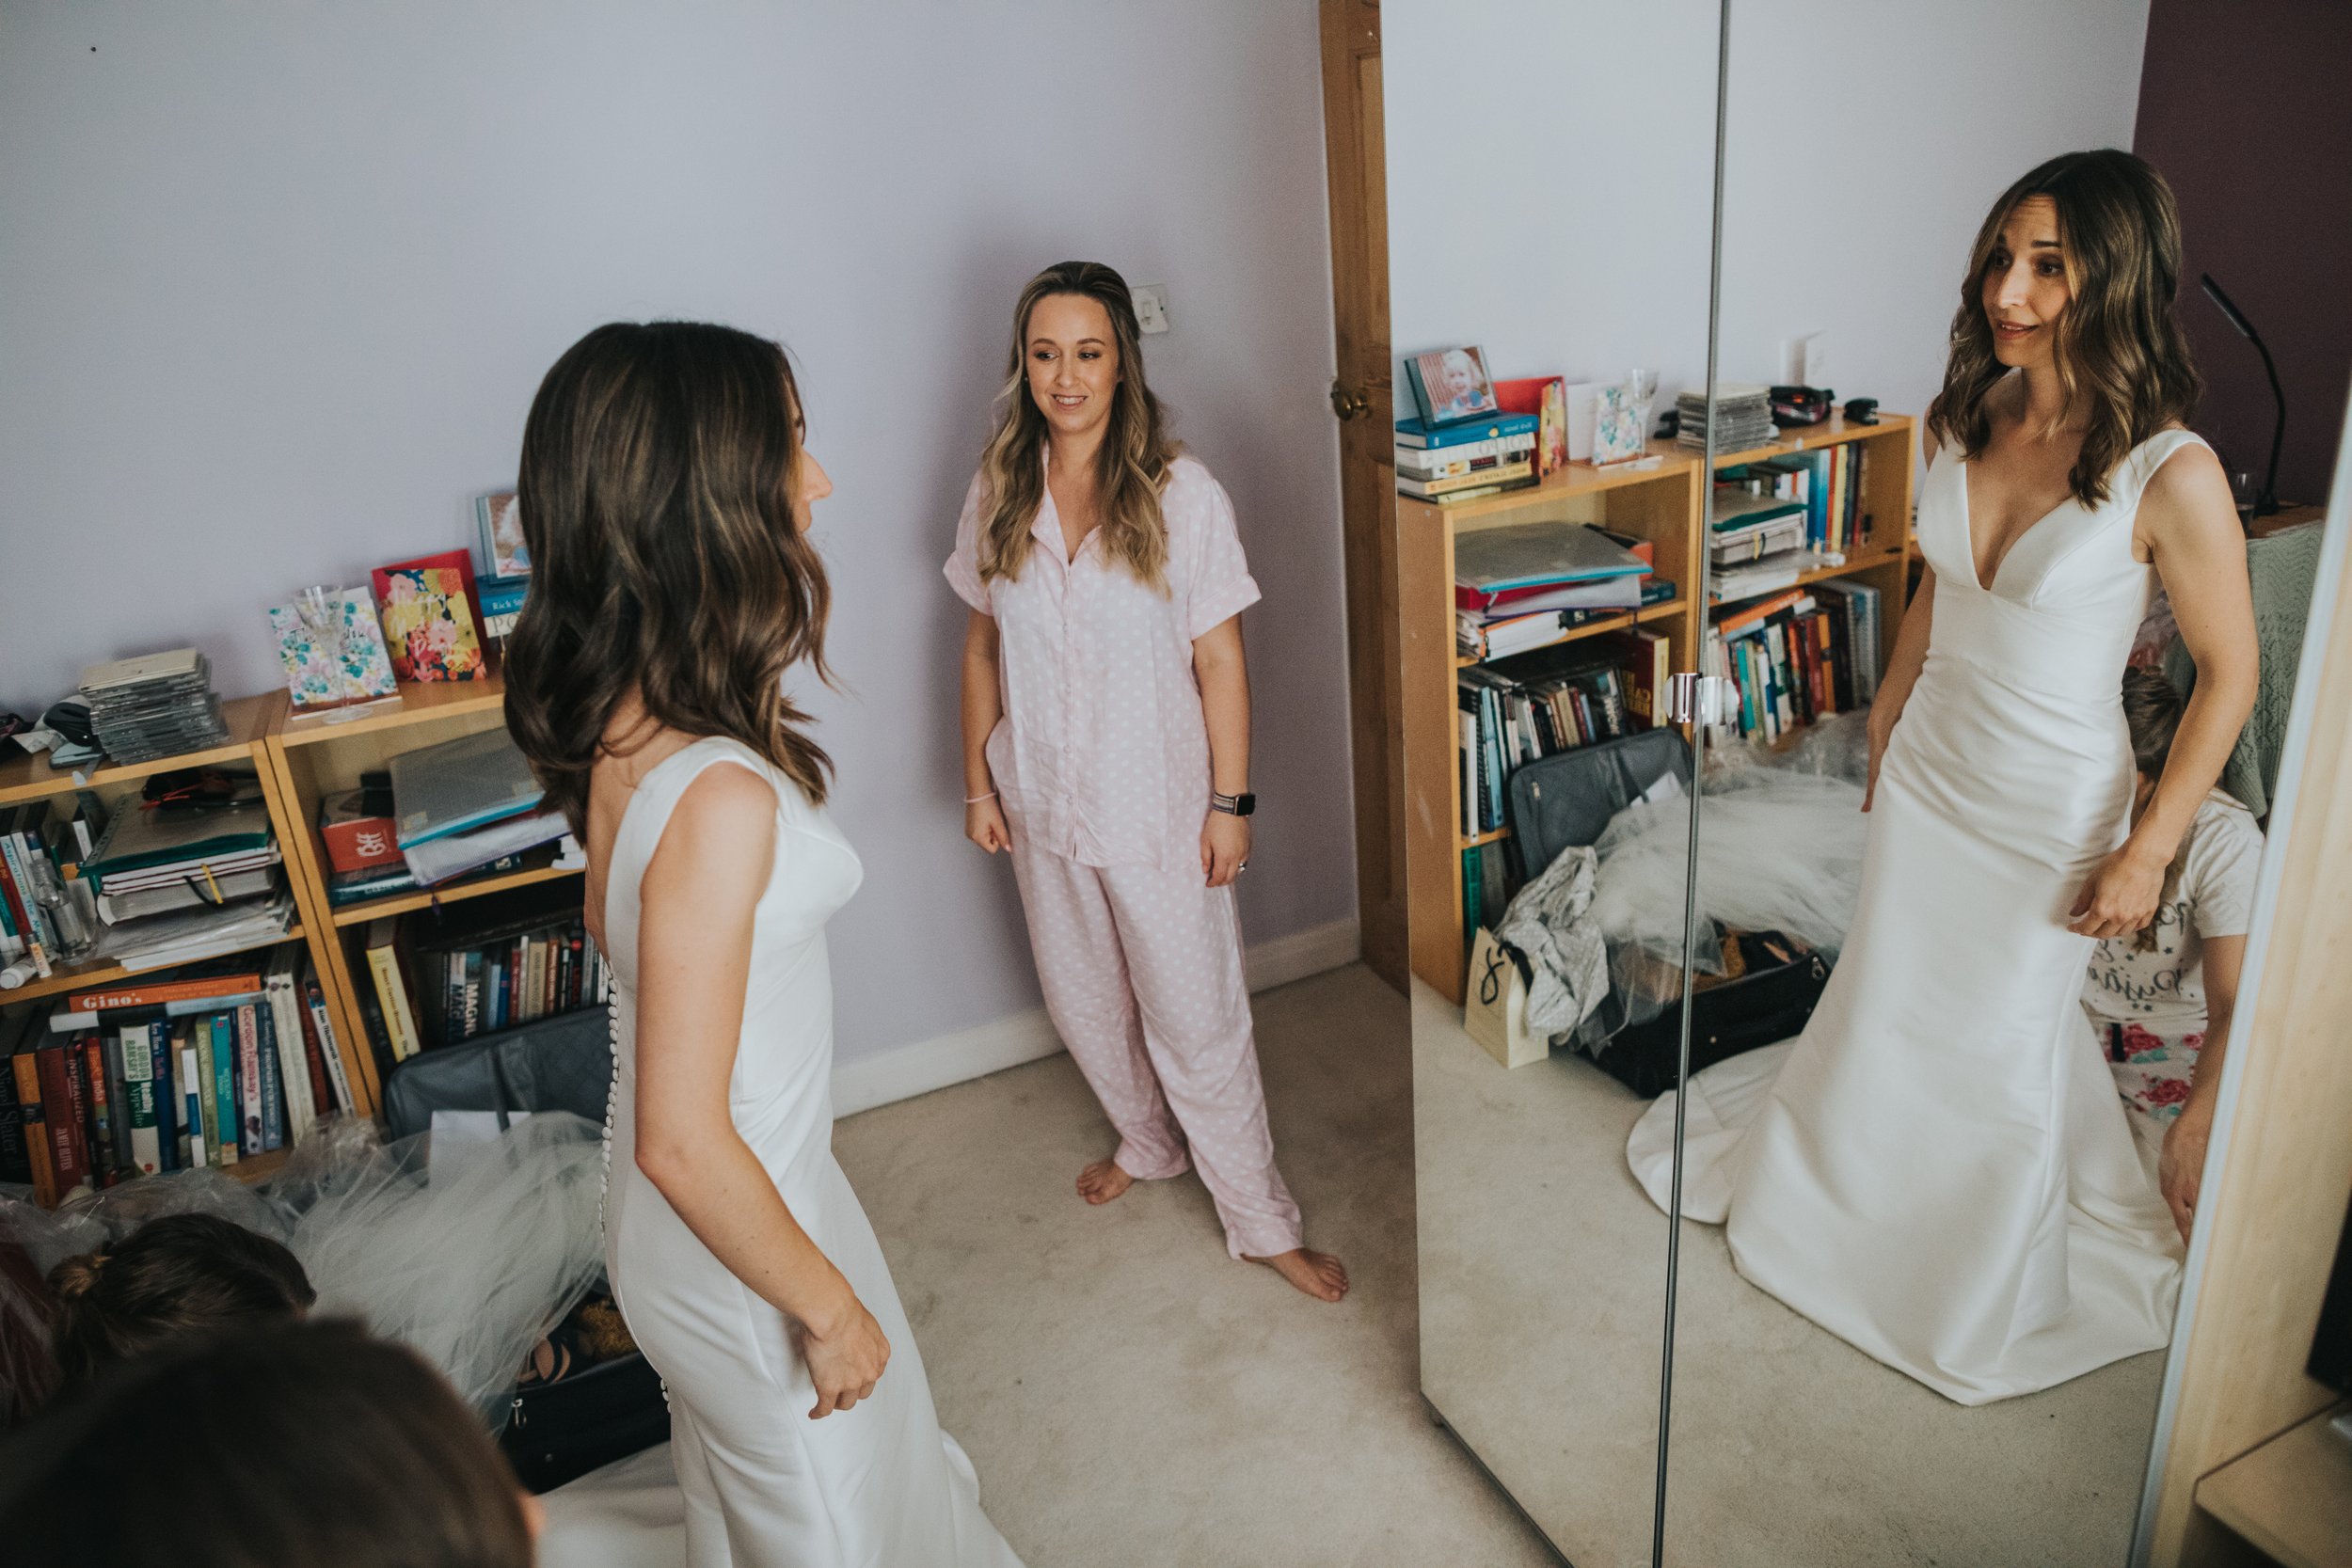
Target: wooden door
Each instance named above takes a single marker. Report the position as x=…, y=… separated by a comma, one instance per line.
x=1361, y=400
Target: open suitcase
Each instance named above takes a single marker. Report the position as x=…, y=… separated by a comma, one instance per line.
x=1568, y=800
x=555, y=1432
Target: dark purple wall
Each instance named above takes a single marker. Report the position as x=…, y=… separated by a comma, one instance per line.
x=2247, y=109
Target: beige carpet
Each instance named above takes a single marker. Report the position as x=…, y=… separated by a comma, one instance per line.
x=1129, y=1394
x=1543, y=1288
x=1131, y=1397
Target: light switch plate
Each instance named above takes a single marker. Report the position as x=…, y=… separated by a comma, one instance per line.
x=1151, y=306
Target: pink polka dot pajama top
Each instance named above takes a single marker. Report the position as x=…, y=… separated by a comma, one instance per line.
x=1101, y=763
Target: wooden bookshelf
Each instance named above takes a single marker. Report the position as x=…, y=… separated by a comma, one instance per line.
x=1663, y=504
x=455, y=892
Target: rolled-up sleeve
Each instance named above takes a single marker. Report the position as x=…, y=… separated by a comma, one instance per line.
x=1219, y=586
x=963, y=564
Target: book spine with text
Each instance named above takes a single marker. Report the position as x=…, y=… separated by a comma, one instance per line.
x=25, y=1067
x=248, y=1081
x=226, y=1138
x=265, y=1050
x=337, y=1074
x=192, y=1104
x=138, y=1082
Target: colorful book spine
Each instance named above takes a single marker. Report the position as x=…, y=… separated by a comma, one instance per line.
x=24, y=1067
x=138, y=1075
x=156, y=992
x=249, y=1081
x=338, y=1076
x=164, y=1061
x=16, y=1163
x=64, y=1089
x=224, y=1053
x=106, y=1107
x=273, y=1100
x=192, y=1104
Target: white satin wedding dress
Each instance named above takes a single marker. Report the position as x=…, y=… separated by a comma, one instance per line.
x=875, y=1486
x=1942, y=1172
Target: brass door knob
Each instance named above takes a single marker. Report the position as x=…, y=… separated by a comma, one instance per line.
x=1348, y=404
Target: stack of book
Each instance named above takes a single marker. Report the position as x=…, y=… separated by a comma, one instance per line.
x=1527, y=584
x=1743, y=416
x=437, y=977
x=159, y=706
x=1532, y=706
x=466, y=803
x=204, y=1068
x=1466, y=458
x=1799, y=656
x=1826, y=483
x=181, y=881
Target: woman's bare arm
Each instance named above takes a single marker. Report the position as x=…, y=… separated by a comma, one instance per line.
x=693, y=961
x=983, y=705
x=2181, y=1170
x=1222, y=669
x=2190, y=523
x=1903, y=666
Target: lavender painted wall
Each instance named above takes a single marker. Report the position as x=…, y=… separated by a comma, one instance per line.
x=281, y=279
x=2247, y=111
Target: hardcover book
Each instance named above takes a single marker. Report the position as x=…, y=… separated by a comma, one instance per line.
x=499, y=522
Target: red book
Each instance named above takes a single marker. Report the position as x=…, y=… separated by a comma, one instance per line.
x=313, y=1058
x=62, y=1111
x=16, y=907
x=27, y=1066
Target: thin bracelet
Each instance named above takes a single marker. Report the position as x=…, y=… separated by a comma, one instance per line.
x=976, y=799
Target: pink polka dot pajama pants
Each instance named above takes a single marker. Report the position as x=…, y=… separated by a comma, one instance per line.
x=1142, y=974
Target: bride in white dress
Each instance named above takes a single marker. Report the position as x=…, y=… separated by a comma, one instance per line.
x=1942, y=1173
x=665, y=495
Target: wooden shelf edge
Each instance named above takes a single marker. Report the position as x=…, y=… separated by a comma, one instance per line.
x=28, y=776
x=83, y=976
x=1872, y=563
x=450, y=892
x=412, y=702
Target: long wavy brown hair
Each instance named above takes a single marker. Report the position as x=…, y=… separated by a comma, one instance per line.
x=1137, y=450
x=2121, y=357
x=656, y=493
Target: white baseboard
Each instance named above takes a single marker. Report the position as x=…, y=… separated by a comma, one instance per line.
x=904, y=1072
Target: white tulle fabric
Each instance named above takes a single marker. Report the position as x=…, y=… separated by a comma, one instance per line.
x=1938, y=1169
x=468, y=1262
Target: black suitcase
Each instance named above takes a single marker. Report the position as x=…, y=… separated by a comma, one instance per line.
x=559, y=1432
x=1769, y=1001
x=554, y=1432
x=1566, y=801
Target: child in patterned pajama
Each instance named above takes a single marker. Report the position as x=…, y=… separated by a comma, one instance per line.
x=2157, y=997
x=1103, y=697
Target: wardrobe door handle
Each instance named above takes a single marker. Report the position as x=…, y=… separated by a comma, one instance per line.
x=1349, y=404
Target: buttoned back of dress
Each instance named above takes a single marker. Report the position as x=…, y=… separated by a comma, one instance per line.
x=1102, y=748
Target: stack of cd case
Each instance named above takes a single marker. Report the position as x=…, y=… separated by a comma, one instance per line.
x=154, y=706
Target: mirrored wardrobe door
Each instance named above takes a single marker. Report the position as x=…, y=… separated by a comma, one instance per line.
x=1547, y=200
x=1926, y=1273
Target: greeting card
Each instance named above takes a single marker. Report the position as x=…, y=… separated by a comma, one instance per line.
x=329, y=664
x=429, y=621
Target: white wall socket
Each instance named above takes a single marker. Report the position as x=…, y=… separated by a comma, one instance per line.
x=1151, y=306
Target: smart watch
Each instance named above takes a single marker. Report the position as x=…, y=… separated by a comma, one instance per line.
x=1233, y=805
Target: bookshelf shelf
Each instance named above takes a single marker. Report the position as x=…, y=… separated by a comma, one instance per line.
x=1663, y=610
x=104, y=971
x=1854, y=566
x=415, y=702
x=1663, y=504
x=28, y=776
x=450, y=892
x=255, y=1168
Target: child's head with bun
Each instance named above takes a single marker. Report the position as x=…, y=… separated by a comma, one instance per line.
x=181, y=1274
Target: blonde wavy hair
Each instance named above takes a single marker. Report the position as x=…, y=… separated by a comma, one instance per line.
x=1132, y=467
x=2122, y=358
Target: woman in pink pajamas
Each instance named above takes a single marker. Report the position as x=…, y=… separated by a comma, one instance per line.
x=1107, y=747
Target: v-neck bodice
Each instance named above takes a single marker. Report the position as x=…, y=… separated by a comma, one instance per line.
x=2067, y=596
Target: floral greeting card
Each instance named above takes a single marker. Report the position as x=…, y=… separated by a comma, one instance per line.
x=429, y=625
x=323, y=669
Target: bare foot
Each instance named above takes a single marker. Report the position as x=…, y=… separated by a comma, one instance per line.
x=1320, y=1275
x=1103, y=1181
